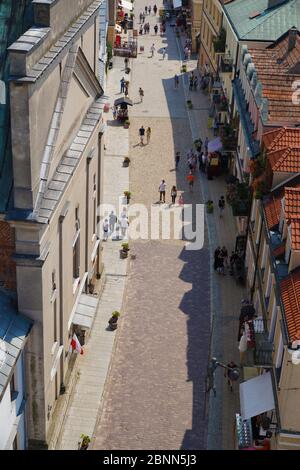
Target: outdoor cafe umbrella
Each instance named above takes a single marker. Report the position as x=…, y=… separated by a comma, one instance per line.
x=123, y=100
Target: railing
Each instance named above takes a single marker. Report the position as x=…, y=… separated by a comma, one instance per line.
x=126, y=49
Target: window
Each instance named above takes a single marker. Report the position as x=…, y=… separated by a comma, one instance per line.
x=54, y=321
x=13, y=390
x=76, y=246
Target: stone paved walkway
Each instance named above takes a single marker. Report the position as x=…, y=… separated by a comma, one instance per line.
x=93, y=366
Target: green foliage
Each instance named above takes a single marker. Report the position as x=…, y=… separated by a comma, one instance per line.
x=220, y=42
x=109, y=51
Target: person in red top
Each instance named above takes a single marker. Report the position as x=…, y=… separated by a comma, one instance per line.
x=191, y=178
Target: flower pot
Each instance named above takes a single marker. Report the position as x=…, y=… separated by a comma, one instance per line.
x=126, y=125
x=125, y=163
x=123, y=254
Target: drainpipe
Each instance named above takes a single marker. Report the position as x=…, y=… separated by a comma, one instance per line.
x=61, y=292
x=99, y=199
x=88, y=161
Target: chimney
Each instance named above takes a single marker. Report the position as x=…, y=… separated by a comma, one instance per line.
x=293, y=33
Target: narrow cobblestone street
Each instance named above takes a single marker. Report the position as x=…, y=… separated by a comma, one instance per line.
x=155, y=393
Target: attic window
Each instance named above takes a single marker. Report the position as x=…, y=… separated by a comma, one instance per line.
x=254, y=14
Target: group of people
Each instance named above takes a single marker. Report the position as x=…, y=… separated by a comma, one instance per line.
x=142, y=132
x=221, y=262
x=145, y=28
x=114, y=224
x=162, y=193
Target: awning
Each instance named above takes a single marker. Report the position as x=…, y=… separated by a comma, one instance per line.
x=177, y=3
x=127, y=5
x=215, y=145
x=125, y=100
x=85, y=311
x=256, y=396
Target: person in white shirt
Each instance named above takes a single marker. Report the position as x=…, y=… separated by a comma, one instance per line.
x=152, y=50
x=124, y=226
x=105, y=229
x=162, y=191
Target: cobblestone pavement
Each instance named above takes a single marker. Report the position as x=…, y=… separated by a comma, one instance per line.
x=154, y=397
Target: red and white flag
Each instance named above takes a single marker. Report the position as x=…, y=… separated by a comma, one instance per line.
x=75, y=345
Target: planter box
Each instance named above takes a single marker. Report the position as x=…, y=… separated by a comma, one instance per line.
x=123, y=254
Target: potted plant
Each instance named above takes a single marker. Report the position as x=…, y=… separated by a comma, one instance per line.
x=113, y=321
x=183, y=68
x=84, y=443
x=189, y=104
x=126, y=124
x=124, y=250
x=127, y=194
x=126, y=161
x=209, y=206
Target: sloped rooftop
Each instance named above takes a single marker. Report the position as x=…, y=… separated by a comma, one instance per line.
x=290, y=294
x=267, y=24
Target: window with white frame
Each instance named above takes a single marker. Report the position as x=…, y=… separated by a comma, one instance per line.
x=76, y=246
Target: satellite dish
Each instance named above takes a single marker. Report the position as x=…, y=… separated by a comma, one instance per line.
x=296, y=357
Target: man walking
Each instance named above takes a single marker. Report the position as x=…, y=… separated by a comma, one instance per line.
x=164, y=53
x=221, y=206
x=155, y=29
x=141, y=93
x=152, y=50
x=176, y=81
x=148, y=134
x=142, y=134
x=162, y=191
x=105, y=230
x=112, y=221
x=122, y=83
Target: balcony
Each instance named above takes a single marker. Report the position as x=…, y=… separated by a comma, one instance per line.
x=260, y=352
x=226, y=64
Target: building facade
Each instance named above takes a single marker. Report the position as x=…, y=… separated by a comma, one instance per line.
x=56, y=120
x=211, y=24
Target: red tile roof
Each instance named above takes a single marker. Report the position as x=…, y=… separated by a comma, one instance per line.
x=272, y=210
x=295, y=234
x=277, y=69
x=286, y=160
x=292, y=203
x=290, y=294
x=278, y=139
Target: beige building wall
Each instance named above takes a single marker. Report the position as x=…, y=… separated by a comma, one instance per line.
x=45, y=238
x=196, y=22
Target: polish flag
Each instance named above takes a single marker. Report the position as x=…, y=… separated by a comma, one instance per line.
x=75, y=345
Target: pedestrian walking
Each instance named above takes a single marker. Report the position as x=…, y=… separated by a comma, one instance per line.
x=141, y=17
x=149, y=10
x=186, y=52
x=173, y=194
x=141, y=29
x=126, y=60
x=105, y=230
x=206, y=144
x=220, y=264
x=141, y=93
x=190, y=177
x=216, y=257
x=146, y=10
x=142, y=134
x=155, y=9
x=189, y=54
x=145, y=28
x=124, y=226
x=148, y=134
x=122, y=85
x=176, y=81
x=221, y=206
x=152, y=50
x=228, y=373
x=224, y=254
x=195, y=83
x=126, y=88
x=162, y=191
x=112, y=221
x=144, y=16
x=177, y=159
x=191, y=81
x=164, y=53
x=180, y=200
x=155, y=29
